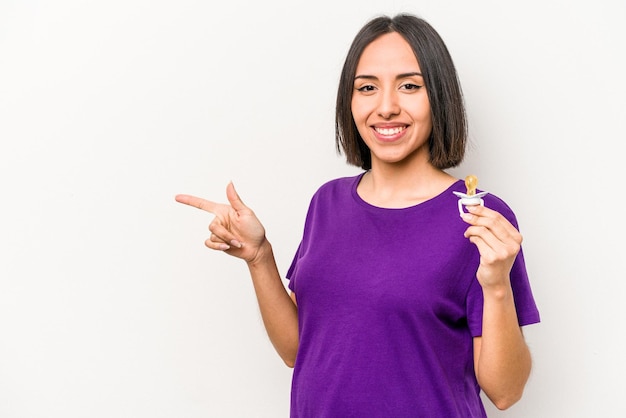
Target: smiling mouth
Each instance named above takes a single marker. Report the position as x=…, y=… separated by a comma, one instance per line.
x=390, y=131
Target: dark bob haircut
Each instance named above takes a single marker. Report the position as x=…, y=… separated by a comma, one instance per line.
x=448, y=138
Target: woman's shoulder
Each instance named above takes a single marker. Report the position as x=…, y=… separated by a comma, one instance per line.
x=338, y=184
x=495, y=202
x=336, y=191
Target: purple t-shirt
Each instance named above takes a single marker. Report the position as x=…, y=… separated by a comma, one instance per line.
x=388, y=303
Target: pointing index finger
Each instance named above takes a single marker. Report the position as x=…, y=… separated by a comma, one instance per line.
x=197, y=202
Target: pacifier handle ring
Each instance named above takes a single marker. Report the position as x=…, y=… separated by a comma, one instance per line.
x=481, y=202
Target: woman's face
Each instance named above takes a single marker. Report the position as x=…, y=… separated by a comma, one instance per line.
x=390, y=105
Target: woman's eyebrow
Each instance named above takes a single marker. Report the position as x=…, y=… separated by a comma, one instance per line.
x=412, y=74
x=365, y=76
x=399, y=76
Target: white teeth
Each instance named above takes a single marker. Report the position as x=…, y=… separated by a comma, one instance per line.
x=393, y=131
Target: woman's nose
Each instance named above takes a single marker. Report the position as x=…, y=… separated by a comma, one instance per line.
x=389, y=105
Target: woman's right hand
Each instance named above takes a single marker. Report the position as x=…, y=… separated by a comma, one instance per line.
x=235, y=229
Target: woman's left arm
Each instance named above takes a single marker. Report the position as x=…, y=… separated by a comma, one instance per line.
x=502, y=360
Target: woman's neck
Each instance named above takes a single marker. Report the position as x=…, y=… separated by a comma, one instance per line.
x=397, y=186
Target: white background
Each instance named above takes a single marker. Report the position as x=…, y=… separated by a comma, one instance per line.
x=110, y=305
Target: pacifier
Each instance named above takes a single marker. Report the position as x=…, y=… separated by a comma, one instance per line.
x=470, y=198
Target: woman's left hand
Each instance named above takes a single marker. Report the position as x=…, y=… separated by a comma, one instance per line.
x=498, y=243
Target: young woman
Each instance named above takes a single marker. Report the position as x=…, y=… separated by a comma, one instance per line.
x=397, y=306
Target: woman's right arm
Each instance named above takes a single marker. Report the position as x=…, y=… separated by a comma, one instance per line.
x=278, y=309
x=237, y=231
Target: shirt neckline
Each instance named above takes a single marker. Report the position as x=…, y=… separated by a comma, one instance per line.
x=419, y=206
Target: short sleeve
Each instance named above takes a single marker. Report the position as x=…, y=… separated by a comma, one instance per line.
x=293, y=268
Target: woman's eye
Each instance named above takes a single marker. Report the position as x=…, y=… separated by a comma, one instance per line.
x=410, y=86
x=365, y=89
